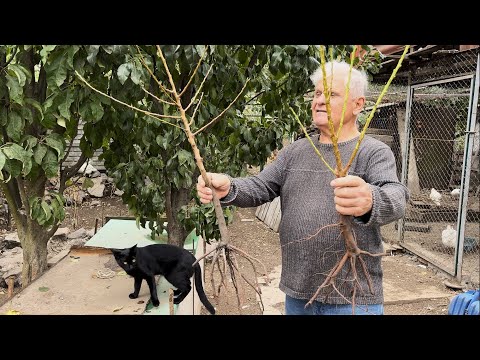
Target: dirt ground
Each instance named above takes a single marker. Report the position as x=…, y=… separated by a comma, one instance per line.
x=252, y=236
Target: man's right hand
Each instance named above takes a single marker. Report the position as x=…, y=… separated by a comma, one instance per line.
x=220, y=182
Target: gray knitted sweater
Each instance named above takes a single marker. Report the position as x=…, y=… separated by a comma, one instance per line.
x=302, y=181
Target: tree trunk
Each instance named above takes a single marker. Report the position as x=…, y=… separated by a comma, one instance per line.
x=34, y=244
x=174, y=202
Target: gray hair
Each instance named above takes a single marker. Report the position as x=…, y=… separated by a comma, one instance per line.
x=358, y=81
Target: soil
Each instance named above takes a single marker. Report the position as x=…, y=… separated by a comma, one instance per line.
x=254, y=237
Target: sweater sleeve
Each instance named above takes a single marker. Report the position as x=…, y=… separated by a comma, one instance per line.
x=388, y=194
x=258, y=189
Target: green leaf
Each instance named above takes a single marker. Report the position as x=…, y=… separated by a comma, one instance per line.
x=31, y=141
x=15, y=151
x=123, y=72
x=64, y=107
x=19, y=73
x=50, y=164
x=97, y=110
x=14, y=89
x=55, y=141
x=136, y=75
x=2, y=161
x=87, y=183
x=61, y=122
x=183, y=156
x=61, y=73
x=46, y=210
x=92, y=52
x=15, y=126
x=46, y=49
x=43, y=288
x=13, y=167
x=39, y=152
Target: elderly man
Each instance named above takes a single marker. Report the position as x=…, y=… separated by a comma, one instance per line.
x=311, y=198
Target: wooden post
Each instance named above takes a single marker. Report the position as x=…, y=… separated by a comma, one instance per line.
x=10, y=283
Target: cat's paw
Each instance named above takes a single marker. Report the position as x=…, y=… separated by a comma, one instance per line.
x=133, y=296
x=155, y=302
x=176, y=301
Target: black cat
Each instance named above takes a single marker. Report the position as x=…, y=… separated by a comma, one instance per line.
x=173, y=262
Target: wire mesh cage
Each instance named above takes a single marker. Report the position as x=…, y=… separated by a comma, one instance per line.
x=430, y=119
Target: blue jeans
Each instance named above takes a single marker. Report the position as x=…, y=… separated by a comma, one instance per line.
x=297, y=307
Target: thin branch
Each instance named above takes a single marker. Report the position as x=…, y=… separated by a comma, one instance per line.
x=327, y=92
x=347, y=92
x=159, y=83
x=193, y=75
x=157, y=98
x=372, y=112
x=195, y=111
x=311, y=142
x=173, y=90
x=12, y=204
x=153, y=115
x=223, y=112
x=199, y=89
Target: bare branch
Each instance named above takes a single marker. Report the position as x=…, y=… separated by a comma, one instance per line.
x=193, y=75
x=157, y=98
x=311, y=142
x=195, y=111
x=372, y=112
x=199, y=89
x=347, y=91
x=331, y=128
x=153, y=115
x=172, y=83
x=159, y=83
x=223, y=112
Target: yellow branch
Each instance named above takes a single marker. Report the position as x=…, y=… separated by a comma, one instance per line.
x=159, y=83
x=311, y=142
x=194, y=72
x=347, y=92
x=372, y=112
x=327, y=91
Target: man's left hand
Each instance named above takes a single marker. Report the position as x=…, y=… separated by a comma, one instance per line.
x=353, y=196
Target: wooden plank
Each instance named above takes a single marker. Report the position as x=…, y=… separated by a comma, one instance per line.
x=272, y=210
x=278, y=217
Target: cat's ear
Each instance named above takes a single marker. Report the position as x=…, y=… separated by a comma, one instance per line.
x=133, y=249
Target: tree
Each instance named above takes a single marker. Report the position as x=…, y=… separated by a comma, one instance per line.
x=152, y=161
x=41, y=105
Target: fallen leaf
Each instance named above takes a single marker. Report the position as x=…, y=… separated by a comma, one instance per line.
x=12, y=312
x=2, y=292
x=43, y=288
x=140, y=302
x=118, y=309
x=121, y=273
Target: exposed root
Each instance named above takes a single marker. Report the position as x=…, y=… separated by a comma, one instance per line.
x=352, y=253
x=227, y=253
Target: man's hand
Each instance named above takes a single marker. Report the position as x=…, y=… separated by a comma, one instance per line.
x=353, y=196
x=220, y=182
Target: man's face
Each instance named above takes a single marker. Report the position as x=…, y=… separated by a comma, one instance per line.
x=337, y=97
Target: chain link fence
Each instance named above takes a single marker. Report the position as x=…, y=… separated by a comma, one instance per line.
x=430, y=118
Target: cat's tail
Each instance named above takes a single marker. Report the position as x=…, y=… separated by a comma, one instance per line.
x=201, y=293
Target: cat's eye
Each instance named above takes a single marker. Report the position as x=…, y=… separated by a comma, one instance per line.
x=125, y=263
x=133, y=260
